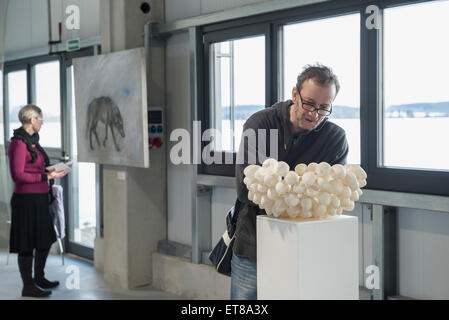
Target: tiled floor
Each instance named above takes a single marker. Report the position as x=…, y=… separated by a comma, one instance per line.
x=91, y=283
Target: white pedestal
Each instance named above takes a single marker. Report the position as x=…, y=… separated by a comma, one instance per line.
x=304, y=259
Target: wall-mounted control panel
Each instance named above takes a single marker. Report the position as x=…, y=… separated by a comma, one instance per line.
x=156, y=127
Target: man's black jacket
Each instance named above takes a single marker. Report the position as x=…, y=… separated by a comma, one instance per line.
x=329, y=145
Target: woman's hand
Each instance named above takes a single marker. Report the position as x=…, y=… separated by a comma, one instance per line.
x=56, y=174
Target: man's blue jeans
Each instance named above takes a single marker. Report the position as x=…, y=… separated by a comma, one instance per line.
x=243, y=278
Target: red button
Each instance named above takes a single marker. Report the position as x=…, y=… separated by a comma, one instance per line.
x=157, y=142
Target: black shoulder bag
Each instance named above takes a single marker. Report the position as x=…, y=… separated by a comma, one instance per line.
x=221, y=254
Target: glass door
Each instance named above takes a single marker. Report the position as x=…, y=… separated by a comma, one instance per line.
x=83, y=187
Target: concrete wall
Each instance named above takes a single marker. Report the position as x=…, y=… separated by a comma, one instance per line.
x=134, y=198
x=180, y=9
x=179, y=219
x=27, y=23
x=190, y=280
x=423, y=244
x=178, y=116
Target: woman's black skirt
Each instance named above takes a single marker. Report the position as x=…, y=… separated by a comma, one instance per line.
x=31, y=225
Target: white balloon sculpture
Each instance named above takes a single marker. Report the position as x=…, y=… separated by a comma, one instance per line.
x=315, y=190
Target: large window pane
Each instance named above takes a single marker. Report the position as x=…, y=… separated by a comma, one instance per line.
x=334, y=42
x=416, y=95
x=17, y=97
x=238, y=87
x=48, y=99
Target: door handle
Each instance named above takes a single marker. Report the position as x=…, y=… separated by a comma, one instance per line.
x=64, y=157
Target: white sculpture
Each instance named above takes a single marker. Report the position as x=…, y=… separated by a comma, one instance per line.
x=316, y=190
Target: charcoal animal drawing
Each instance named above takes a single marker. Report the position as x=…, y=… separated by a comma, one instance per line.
x=104, y=110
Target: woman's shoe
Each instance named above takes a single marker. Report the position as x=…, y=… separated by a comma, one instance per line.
x=40, y=259
x=31, y=290
x=46, y=284
x=29, y=287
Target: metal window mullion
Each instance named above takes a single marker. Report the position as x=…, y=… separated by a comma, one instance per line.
x=391, y=270
x=215, y=85
x=31, y=83
x=231, y=91
x=378, y=249
x=380, y=95
x=366, y=122
x=5, y=109
x=64, y=116
x=371, y=90
x=99, y=199
x=278, y=34
x=72, y=196
x=194, y=37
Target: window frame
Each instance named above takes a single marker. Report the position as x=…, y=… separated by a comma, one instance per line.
x=72, y=246
x=434, y=182
x=204, y=113
x=65, y=60
x=431, y=181
x=28, y=65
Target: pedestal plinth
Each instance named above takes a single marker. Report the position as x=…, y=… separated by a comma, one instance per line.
x=307, y=259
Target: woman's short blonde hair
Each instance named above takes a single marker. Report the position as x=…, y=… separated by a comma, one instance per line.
x=29, y=111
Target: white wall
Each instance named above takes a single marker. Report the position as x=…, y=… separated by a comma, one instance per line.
x=178, y=116
x=180, y=9
x=423, y=243
x=179, y=177
x=27, y=23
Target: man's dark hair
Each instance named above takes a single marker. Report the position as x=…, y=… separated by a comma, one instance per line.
x=319, y=73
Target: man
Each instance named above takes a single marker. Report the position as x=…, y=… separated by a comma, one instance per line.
x=300, y=121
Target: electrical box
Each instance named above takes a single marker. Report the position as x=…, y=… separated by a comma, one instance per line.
x=156, y=127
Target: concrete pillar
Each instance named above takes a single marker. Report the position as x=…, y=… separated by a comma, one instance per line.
x=134, y=198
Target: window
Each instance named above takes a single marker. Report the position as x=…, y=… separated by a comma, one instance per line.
x=334, y=42
x=47, y=90
x=393, y=101
x=17, y=94
x=238, y=87
x=416, y=95
x=35, y=81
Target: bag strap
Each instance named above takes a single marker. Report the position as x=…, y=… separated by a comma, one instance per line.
x=237, y=207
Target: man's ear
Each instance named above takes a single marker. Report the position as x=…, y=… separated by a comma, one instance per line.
x=294, y=94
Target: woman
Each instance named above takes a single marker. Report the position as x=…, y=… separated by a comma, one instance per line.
x=31, y=225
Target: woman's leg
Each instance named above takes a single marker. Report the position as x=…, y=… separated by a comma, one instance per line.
x=243, y=278
x=25, y=260
x=39, y=275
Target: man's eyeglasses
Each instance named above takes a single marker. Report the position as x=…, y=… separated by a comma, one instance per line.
x=40, y=119
x=311, y=107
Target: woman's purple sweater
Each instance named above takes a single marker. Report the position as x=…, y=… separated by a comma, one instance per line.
x=27, y=175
